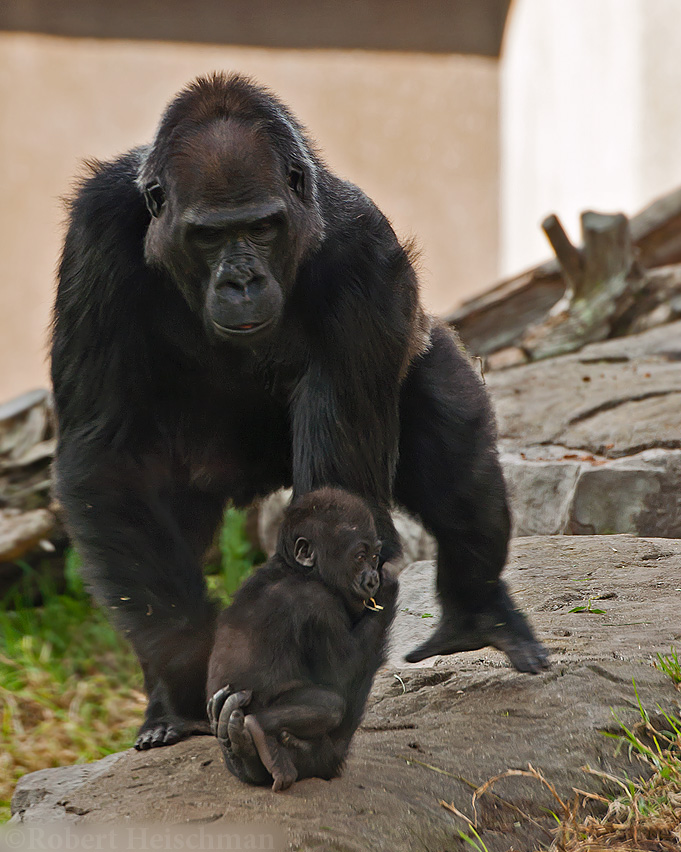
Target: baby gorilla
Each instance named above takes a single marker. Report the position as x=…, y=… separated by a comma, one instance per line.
x=296, y=653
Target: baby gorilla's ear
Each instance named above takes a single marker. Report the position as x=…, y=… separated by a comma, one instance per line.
x=303, y=552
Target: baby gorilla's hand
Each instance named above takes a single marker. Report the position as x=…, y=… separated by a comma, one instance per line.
x=221, y=706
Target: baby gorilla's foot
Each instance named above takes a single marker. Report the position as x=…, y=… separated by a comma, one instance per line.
x=288, y=740
x=274, y=756
x=240, y=737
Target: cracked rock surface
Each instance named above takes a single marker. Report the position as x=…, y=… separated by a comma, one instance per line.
x=432, y=731
x=591, y=441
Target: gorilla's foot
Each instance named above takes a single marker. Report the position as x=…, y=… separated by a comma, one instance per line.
x=499, y=625
x=167, y=731
x=287, y=739
x=259, y=753
x=283, y=771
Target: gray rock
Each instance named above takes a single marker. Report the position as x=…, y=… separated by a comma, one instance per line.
x=270, y=514
x=418, y=611
x=591, y=442
x=601, y=386
x=45, y=794
x=638, y=581
x=575, y=492
x=22, y=531
x=639, y=495
x=417, y=544
x=429, y=733
x=541, y=493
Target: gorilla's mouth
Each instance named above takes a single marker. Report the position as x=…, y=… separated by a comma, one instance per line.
x=244, y=329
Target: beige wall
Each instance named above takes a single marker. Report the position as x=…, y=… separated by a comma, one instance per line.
x=590, y=114
x=417, y=132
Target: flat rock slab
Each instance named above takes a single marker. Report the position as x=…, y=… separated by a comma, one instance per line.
x=430, y=733
x=591, y=442
x=616, y=398
x=635, y=581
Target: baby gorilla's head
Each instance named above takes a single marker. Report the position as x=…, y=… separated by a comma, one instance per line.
x=332, y=534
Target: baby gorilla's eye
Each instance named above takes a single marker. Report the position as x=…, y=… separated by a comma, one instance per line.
x=361, y=556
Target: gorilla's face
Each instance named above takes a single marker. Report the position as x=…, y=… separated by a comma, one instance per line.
x=228, y=224
x=345, y=557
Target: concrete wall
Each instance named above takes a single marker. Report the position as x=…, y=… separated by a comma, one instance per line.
x=590, y=114
x=417, y=132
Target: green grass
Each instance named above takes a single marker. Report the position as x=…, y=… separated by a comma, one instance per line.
x=70, y=686
x=670, y=665
x=237, y=557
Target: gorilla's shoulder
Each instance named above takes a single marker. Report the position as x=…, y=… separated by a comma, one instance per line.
x=108, y=193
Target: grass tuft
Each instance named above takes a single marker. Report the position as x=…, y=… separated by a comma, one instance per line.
x=670, y=665
x=644, y=814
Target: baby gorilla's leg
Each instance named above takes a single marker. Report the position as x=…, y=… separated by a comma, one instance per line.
x=250, y=753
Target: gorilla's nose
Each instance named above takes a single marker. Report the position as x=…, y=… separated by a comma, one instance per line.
x=371, y=582
x=236, y=278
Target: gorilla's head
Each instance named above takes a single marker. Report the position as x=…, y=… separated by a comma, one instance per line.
x=231, y=187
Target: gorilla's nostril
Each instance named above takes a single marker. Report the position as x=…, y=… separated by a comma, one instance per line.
x=372, y=583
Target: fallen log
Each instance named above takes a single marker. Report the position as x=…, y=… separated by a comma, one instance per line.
x=31, y=535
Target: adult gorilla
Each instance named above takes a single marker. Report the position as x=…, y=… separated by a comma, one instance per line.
x=231, y=317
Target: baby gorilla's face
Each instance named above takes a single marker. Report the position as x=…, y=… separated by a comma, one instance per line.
x=333, y=533
x=366, y=582
x=350, y=564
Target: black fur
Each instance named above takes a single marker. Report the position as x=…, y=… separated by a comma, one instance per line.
x=189, y=370
x=298, y=649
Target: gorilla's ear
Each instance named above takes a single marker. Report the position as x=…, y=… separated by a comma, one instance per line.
x=154, y=198
x=303, y=552
x=296, y=180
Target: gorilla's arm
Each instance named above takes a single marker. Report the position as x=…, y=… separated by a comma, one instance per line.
x=357, y=301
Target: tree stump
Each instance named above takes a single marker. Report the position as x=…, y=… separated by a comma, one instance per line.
x=601, y=283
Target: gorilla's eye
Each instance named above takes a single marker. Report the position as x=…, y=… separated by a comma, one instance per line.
x=265, y=230
x=154, y=197
x=207, y=236
x=296, y=180
x=361, y=556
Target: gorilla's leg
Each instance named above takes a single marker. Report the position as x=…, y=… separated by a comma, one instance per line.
x=142, y=543
x=449, y=475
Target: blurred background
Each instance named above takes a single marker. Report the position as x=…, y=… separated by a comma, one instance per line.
x=466, y=121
